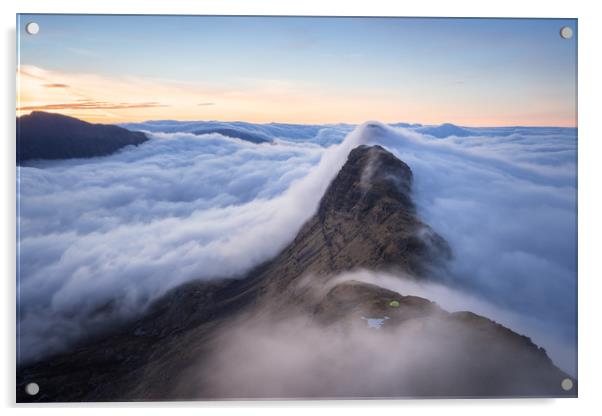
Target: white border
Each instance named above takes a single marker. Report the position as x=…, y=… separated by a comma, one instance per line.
x=590, y=206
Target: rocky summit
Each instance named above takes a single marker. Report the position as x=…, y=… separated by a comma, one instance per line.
x=366, y=219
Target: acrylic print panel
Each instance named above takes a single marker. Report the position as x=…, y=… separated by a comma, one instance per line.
x=218, y=207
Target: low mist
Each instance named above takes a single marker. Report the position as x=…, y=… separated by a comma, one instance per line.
x=271, y=354
x=543, y=332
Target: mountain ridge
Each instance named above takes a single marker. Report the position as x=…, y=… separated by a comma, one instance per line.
x=365, y=220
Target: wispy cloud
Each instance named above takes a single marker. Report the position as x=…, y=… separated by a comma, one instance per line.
x=56, y=85
x=81, y=51
x=88, y=105
x=251, y=99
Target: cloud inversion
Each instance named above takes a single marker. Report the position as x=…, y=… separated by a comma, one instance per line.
x=102, y=238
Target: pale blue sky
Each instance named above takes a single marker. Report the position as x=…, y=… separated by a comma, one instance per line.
x=501, y=71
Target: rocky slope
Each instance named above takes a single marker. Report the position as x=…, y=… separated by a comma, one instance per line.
x=189, y=340
x=42, y=135
x=366, y=219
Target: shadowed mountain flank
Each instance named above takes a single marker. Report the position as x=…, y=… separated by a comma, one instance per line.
x=43, y=135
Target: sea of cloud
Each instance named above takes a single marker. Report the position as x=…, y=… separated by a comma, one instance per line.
x=101, y=238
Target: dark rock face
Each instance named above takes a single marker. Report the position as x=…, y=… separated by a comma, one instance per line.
x=366, y=219
x=43, y=135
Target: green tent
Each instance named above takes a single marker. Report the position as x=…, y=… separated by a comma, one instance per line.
x=394, y=304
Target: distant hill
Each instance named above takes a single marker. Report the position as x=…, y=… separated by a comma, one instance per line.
x=445, y=130
x=42, y=135
x=237, y=134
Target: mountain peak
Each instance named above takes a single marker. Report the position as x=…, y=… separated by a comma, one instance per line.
x=366, y=219
x=370, y=175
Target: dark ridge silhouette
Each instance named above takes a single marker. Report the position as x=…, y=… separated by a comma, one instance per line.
x=445, y=130
x=237, y=134
x=42, y=135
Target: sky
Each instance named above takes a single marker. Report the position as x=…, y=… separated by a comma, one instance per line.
x=472, y=72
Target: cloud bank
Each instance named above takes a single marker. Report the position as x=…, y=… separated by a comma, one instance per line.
x=102, y=238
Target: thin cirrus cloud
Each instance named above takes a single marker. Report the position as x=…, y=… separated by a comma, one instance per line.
x=309, y=70
x=255, y=100
x=56, y=85
x=91, y=105
x=244, y=99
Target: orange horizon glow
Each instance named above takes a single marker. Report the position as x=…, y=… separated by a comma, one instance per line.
x=110, y=100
